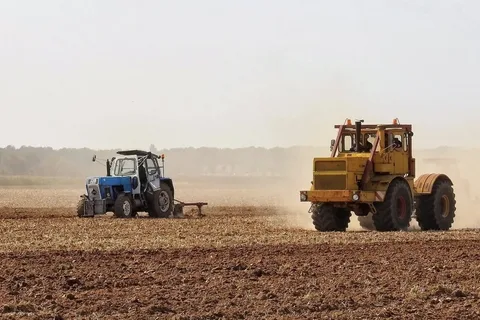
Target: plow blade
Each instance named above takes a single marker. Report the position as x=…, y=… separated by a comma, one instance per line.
x=178, y=208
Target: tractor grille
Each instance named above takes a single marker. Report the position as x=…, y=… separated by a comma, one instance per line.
x=330, y=182
x=107, y=192
x=330, y=166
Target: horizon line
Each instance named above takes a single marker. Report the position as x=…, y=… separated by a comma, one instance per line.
x=195, y=148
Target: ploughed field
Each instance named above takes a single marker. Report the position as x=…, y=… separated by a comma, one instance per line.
x=248, y=258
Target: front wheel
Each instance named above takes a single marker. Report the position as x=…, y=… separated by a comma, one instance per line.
x=81, y=208
x=326, y=218
x=123, y=207
x=366, y=222
x=395, y=212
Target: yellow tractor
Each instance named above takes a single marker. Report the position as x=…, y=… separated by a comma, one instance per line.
x=371, y=171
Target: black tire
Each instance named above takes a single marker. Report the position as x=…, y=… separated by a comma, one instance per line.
x=81, y=207
x=436, y=211
x=395, y=212
x=123, y=207
x=424, y=214
x=366, y=222
x=161, y=204
x=327, y=218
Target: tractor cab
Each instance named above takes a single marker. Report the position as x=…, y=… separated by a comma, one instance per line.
x=388, y=147
x=142, y=167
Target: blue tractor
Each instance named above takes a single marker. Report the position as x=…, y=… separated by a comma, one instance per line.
x=135, y=182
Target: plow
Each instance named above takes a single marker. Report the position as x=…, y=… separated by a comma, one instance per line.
x=179, y=205
x=135, y=182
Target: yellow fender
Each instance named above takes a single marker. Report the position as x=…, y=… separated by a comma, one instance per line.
x=381, y=184
x=424, y=183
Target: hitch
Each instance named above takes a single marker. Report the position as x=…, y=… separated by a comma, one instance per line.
x=178, y=208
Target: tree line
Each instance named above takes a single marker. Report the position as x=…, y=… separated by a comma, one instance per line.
x=188, y=162
x=191, y=162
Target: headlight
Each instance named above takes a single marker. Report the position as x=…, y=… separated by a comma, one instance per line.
x=303, y=196
x=92, y=181
x=356, y=197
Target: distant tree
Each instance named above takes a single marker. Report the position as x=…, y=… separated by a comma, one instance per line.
x=189, y=162
x=153, y=149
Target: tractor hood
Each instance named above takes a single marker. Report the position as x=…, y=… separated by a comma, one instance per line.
x=106, y=186
x=340, y=173
x=109, y=181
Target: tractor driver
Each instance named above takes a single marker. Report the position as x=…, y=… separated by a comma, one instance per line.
x=397, y=143
x=143, y=175
x=368, y=146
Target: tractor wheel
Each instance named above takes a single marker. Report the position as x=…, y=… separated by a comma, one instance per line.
x=366, y=222
x=162, y=204
x=326, y=218
x=81, y=207
x=436, y=211
x=395, y=212
x=123, y=207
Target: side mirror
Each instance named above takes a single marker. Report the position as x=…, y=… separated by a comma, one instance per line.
x=94, y=158
x=332, y=143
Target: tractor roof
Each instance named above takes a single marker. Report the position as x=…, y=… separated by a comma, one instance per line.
x=139, y=153
x=378, y=126
x=395, y=125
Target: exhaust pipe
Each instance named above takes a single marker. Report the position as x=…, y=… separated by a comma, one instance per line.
x=358, y=130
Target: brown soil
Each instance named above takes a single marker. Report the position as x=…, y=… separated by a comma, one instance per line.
x=237, y=263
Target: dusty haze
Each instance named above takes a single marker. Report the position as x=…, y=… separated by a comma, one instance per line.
x=251, y=176
x=113, y=74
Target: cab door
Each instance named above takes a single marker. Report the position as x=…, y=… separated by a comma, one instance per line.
x=153, y=173
x=400, y=152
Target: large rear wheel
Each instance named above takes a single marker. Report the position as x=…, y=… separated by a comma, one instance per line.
x=395, y=212
x=436, y=211
x=326, y=218
x=161, y=204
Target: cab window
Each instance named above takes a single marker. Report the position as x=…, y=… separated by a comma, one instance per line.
x=369, y=139
x=151, y=167
x=347, y=141
x=396, y=142
x=405, y=142
x=125, y=167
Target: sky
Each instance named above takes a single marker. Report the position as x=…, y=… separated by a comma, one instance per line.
x=127, y=74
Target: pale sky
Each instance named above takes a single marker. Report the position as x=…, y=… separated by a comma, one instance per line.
x=125, y=74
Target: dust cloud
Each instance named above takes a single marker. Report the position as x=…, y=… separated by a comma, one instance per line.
x=294, y=212
x=458, y=165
